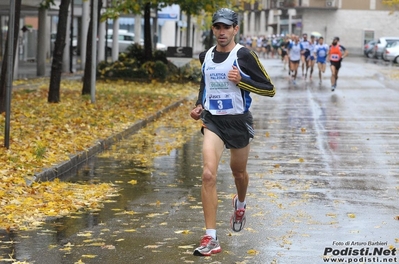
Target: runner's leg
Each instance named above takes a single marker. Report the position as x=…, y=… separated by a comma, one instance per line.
x=238, y=165
x=334, y=76
x=320, y=66
x=312, y=62
x=212, y=151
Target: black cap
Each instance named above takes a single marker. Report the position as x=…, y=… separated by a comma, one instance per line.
x=225, y=16
x=336, y=38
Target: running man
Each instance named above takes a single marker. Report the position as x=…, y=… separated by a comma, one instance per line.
x=311, y=59
x=284, y=51
x=294, y=53
x=321, y=53
x=229, y=73
x=305, y=53
x=336, y=53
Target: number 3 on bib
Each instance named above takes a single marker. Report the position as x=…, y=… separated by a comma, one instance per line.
x=220, y=104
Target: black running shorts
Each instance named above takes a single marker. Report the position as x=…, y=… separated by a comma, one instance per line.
x=336, y=64
x=236, y=131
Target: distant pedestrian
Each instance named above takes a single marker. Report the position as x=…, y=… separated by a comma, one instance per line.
x=229, y=73
x=321, y=53
x=259, y=41
x=249, y=42
x=305, y=53
x=294, y=53
x=268, y=47
x=311, y=59
x=284, y=51
x=337, y=53
x=275, y=46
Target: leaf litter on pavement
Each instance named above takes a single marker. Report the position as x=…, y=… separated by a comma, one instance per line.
x=43, y=135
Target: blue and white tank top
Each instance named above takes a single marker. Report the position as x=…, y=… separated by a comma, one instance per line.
x=321, y=51
x=305, y=45
x=221, y=96
x=295, y=51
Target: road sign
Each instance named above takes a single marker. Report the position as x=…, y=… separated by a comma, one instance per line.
x=179, y=52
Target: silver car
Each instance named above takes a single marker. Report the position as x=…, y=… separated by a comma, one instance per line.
x=369, y=48
x=391, y=52
x=381, y=44
x=125, y=39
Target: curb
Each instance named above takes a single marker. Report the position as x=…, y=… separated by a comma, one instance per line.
x=79, y=158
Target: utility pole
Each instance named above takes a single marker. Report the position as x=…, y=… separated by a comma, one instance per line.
x=71, y=40
x=94, y=51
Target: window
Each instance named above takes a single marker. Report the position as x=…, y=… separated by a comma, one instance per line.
x=129, y=38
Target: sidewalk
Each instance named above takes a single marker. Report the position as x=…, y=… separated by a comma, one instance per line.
x=28, y=70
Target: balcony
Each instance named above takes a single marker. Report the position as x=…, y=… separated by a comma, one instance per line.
x=282, y=4
x=304, y=4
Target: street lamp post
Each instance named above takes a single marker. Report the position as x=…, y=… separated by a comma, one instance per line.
x=10, y=66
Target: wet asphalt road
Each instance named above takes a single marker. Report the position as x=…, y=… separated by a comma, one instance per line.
x=324, y=180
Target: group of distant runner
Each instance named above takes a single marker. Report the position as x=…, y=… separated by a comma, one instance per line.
x=312, y=51
x=295, y=52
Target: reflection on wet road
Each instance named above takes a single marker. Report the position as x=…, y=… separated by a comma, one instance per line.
x=324, y=171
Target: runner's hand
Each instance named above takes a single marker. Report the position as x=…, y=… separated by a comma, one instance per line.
x=196, y=112
x=234, y=75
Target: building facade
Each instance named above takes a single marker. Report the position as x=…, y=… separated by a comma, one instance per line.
x=354, y=21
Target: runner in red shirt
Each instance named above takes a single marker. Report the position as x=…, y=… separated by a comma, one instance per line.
x=336, y=54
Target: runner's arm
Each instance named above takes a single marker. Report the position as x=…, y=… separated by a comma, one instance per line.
x=327, y=51
x=202, y=83
x=259, y=81
x=345, y=52
x=316, y=48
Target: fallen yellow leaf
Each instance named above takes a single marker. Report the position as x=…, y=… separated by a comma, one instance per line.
x=133, y=182
x=185, y=232
x=72, y=126
x=351, y=215
x=252, y=252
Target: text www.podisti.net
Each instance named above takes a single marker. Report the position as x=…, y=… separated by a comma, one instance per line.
x=360, y=255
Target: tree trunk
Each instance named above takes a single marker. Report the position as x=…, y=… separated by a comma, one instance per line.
x=147, y=32
x=86, y=89
x=3, y=77
x=188, y=34
x=210, y=40
x=59, y=45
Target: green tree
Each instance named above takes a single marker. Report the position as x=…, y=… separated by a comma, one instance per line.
x=391, y=3
x=119, y=7
x=190, y=7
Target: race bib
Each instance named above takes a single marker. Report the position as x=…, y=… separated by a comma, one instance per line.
x=322, y=53
x=334, y=57
x=220, y=102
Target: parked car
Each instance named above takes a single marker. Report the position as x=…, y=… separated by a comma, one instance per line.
x=391, y=52
x=369, y=48
x=125, y=39
x=381, y=44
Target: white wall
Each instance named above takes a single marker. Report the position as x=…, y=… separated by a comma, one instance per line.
x=168, y=33
x=349, y=25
